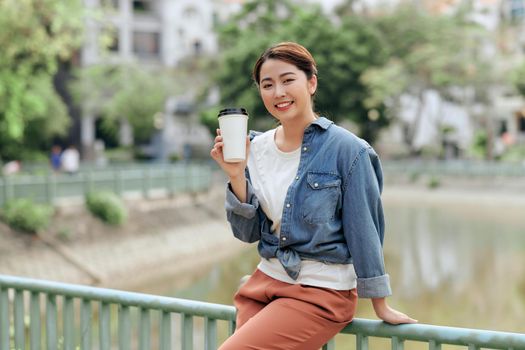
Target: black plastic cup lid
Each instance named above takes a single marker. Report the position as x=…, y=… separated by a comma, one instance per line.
x=227, y=111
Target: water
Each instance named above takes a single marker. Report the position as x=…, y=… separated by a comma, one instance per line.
x=453, y=259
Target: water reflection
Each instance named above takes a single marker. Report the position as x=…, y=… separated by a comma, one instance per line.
x=454, y=268
x=457, y=264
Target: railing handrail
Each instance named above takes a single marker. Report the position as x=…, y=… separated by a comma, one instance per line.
x=440, y=334
x=192, y=307
x=362, y=327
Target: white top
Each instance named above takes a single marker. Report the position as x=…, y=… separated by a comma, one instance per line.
x=70, y=159
x=271, y=172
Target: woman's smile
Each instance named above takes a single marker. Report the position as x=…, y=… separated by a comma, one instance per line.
x=284, y=106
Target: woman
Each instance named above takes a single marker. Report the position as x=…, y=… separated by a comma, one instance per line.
x=309, y=193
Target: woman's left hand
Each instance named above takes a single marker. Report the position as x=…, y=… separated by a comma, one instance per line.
x=387, y=314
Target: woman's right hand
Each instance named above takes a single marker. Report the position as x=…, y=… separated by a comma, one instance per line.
x=232, y=170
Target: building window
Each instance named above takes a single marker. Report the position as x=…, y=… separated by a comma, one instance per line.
x=521, y=122
x=191, y=13
x=197, y=47
x=112, y=34
x=142, y=6
x=517, y=9
x=146, y=44
x=110, y=4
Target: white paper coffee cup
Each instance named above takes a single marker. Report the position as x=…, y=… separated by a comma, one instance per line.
x=233, y=123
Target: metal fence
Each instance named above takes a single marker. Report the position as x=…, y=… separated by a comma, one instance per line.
x=455, y=168
x=109, y=313
x=144, y=180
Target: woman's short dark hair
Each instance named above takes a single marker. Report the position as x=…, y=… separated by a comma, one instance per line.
x=289, y=52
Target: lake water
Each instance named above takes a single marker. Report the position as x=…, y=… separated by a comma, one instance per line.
x=454, y=259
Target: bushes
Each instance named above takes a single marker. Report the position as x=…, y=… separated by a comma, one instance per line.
x=107, y=206
x=24, y=215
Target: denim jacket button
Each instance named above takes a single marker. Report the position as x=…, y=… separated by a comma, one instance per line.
x=288, y=205
x=297, y=177
x=316, y=184
x=305, y=148
x=283, y=238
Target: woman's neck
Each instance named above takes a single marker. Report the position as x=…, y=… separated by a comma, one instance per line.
x=289, y=136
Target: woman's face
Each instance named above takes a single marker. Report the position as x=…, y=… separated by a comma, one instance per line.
x=286, y=91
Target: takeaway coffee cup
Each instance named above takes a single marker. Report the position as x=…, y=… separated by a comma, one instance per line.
x=233, y=123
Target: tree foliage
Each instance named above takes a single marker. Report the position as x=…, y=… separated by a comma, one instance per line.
x=130, y=92
x=518, y=78
x=343, y=52
x=34, y=36
x=427, y=52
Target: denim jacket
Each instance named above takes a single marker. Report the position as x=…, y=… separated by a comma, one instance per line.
x=332, y=211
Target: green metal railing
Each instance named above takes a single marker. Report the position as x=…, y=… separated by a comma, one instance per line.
x=76, y=305
x=143, y=180
x=481, y=169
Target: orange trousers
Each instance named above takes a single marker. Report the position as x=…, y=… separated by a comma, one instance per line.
x=273, y=315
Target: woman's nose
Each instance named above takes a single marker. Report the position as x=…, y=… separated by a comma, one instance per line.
x=279, y=90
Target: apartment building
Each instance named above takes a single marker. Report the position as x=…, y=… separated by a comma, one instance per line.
x=156, y=33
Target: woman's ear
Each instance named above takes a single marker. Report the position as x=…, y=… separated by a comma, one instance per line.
x=312, y=85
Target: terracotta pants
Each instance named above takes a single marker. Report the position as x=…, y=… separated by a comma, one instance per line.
x=275, y=315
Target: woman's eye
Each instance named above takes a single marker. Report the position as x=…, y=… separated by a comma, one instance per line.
x=287, y=81
x=266, y=86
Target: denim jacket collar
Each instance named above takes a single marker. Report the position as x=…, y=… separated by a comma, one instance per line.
x=322, y=122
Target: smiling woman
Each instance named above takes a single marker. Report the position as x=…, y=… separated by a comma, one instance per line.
x=309, y=193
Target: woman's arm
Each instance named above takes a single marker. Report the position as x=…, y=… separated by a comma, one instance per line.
x=241, y=203
x=364, y=231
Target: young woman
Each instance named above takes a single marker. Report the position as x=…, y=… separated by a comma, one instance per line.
x=309, y=193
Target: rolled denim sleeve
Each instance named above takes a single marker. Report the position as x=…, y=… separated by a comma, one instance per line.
x=243, y=217
x=363, y=224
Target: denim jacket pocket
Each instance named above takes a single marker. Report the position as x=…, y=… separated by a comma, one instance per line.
x=322, y=196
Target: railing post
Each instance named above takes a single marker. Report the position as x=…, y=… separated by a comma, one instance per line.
x=4, y=318
x=145, y=183
x=85, y=324
x=144, y=341
x=186, y=331
x=2, y=191
x=361, y=342
x=165, y=331
x=35, y=330
x=231, y=327
x=124, y=328
x=9, y=191
x=69, y=323
x=19, y=320
x=210, y=334
x=397, y=344
x=330, y=345
x=433, y=345
x=171, y=182
x=88, y=182
x=51, y=321
x=104, y=326
x=51, y=189
x=117, y=175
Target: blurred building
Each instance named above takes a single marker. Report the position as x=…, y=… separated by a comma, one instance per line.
x=158, y=33
x=505, y=21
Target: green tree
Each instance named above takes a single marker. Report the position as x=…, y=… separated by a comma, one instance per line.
x=34, y=36
x=343, y=51
x=116, y=92
x=518, y=79
x=427, y=52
